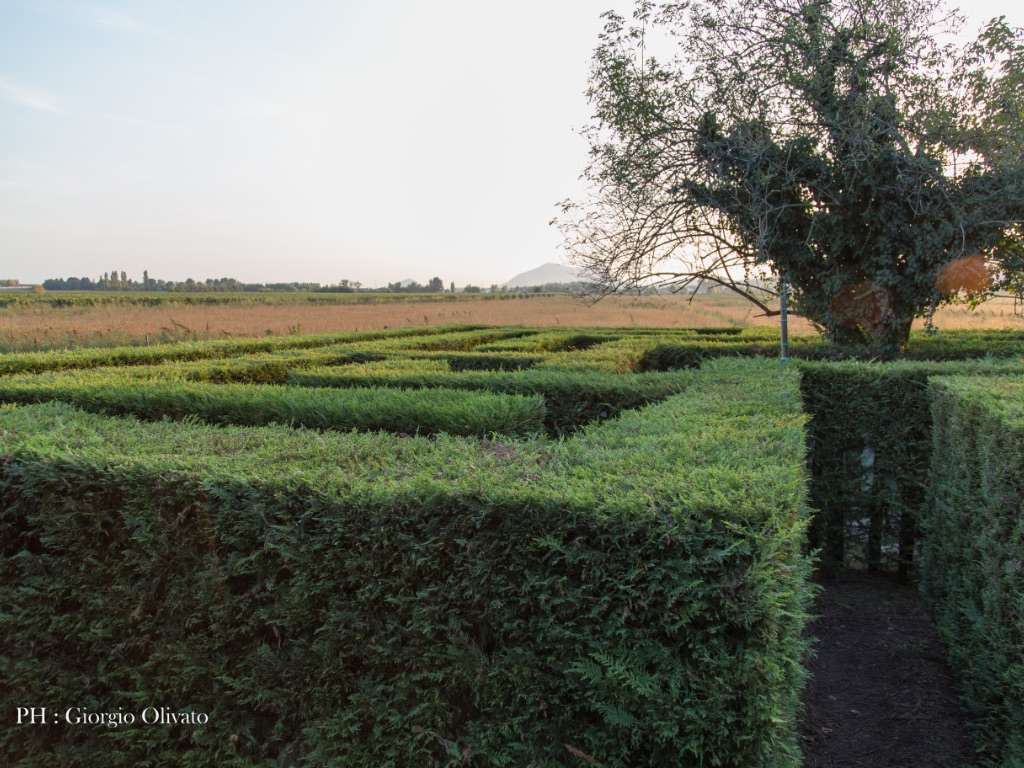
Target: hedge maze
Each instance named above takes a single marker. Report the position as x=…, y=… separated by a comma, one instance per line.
x=473, y=546
x=974, y=550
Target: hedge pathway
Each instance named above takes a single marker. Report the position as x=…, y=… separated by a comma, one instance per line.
x=881, y=693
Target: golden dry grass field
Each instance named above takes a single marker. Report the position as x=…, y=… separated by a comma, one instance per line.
x=39, y=325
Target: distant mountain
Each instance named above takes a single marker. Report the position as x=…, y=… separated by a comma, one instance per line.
x=544, y=274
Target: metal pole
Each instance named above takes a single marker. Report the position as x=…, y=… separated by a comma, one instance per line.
x=783, y=319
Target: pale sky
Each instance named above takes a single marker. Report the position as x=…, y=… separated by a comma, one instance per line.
x=295, y=140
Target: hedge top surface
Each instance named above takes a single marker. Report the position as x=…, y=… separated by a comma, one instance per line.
x=740, y=423
x=272, y=453
x=1002, y=397
x=25, y=362
x=709, y=448
x=436, y=373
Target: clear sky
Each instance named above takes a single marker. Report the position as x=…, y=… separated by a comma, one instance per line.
x=295, y=140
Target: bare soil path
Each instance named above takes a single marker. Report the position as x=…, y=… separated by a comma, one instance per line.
x=881, y=694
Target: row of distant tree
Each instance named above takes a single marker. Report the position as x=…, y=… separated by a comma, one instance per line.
x=119, y=281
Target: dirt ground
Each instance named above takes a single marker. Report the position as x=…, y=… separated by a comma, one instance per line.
x=881, y=694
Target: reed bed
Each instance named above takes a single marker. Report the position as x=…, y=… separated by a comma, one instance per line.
x=41, y=327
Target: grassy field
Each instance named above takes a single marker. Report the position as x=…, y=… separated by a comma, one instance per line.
x=114, y=320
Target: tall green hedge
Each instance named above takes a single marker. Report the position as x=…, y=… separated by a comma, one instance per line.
x=668, y=354
x=37, y=362
x=632, y=596
x=869, y=451
x=120, y=392
x=974, y=551
x=571, y=397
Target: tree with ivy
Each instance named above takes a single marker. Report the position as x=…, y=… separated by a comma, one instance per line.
x=848, y=146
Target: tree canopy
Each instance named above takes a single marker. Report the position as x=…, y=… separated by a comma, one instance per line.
x=852, y=146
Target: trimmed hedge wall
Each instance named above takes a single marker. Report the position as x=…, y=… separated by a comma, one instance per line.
x=924, y=346
x=396, y=410
x=869, y=450
x=870, y=436
x=974, y=551
x=491, y=362
x=37, y=362
x=571, y=397
x=632, y=596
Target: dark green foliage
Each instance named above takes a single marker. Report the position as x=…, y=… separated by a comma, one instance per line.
x=463, y=341
x=868, y=437
x=616, y=356
x=862, y=506
x=38, y=362
x=871, y=433
x=870, y=443
x=617, y=351
x=974, y=551
x=632, y=596
x=256, y=369
x=667, y=355
x=729, y=331
x=690, y=354
x=571, y=398
x=246, y=371
x=491, y=362
x=847, y=147
x=633, y=591
x=965, y=345
x=392, y=409
x=560, y=342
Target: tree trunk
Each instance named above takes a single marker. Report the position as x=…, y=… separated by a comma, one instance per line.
x=892, y=338
x=885, y=343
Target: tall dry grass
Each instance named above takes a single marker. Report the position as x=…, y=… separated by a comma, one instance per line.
x=998, y=314
x=37, y=327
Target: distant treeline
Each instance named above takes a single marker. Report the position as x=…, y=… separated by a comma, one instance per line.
x=119, y=281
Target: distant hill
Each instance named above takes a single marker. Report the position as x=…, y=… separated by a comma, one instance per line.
x=543, y=275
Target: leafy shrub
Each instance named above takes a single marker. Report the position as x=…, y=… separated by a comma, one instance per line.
x=396, y=410
x=38, y=362
x=870, y=447
x=571, y=397
x=634, y=595
x=974, y=551
x=491, y=362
